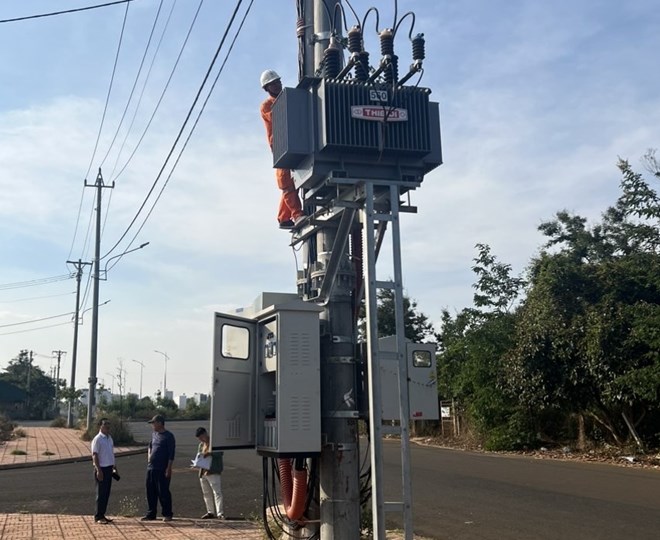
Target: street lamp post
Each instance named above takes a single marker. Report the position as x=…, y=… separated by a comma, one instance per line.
x=141, y=370
x=165, y=376
x=91, y=404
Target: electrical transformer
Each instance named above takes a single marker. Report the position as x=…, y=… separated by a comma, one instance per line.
x=349, y=129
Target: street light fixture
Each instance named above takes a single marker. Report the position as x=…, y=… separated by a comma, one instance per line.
x=165, y=377
x=141, y=369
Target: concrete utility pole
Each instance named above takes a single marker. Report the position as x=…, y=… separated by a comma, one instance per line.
x=57, y=377
x=74, y=356
x=91, y=398
x=29, y=374
x=339, y=461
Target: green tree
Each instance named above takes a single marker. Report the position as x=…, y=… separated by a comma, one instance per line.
x=472, y=349
x=40, y=388
x=416, y=324
x=586, y=340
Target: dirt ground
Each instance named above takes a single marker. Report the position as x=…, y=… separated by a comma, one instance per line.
x=610, y=455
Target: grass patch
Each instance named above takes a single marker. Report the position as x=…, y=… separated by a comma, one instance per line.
x=129, y=506
x=18, y=452
x=48, y=453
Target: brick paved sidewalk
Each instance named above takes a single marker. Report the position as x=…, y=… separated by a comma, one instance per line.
x=44, y=445
x=52, y=527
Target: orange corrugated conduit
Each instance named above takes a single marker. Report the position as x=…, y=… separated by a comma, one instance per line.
x=294, y=489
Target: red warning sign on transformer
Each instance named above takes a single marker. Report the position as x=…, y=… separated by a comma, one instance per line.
x=379, y=114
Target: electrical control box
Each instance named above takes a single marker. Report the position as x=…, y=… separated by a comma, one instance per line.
x=266, y=380
x=422, y=379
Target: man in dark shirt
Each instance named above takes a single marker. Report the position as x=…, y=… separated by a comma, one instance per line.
x=159, y=470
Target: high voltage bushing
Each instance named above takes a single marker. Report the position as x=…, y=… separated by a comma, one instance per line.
x=418, y=45
x=362, y=66
x=386, y=42
x=355, y=42
x=332, y=60
x=391, y=73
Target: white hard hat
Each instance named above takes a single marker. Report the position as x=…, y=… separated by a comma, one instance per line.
x=268, y=77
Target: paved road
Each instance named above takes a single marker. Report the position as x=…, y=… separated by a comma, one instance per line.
x=457, y=495
x=69, y=488
x=471, y=496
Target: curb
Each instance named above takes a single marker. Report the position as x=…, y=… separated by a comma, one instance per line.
x=59, y=461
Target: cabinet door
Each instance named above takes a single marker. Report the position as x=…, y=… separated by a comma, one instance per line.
x=234, y=381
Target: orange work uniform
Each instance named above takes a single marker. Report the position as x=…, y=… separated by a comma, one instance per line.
x=290, y=207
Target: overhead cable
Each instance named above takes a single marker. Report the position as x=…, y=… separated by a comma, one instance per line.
x=179, y=135
x=17, y=300
x=107, y=97
x=247, y=11
x=53, y=13
x=144, y=87
x=162, y=95
x=35, y=282
x=137, y=78
x=98, y=137
x=35, y=329
x=38, y=320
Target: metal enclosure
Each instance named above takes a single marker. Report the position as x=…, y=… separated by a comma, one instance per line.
x=345, y=129
x=422, y=379
x=266, y=381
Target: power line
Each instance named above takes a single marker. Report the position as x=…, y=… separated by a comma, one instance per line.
x=247, y=11
x=17, y=300
x=162, y=95
x=137, y=78
x=35, y=282
x=178, y=137
x=35, y=329
x=107, y=98
x=37, y=320
x=75, y=10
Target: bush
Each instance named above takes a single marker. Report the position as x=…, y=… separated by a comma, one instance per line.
x=60, y=421
x=120, y=431
x=19, y=433
x=6, y=428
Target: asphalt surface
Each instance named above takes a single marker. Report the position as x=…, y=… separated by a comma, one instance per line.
x=456, y=495
x=69, y=488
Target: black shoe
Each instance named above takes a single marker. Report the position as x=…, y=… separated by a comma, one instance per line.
x=108, y=519
x=147, y=518
x=288, y=224
x=168, y=518
x=102, y=521
x=208, y=515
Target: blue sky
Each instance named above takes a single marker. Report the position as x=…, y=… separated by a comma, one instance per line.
x=537, y=100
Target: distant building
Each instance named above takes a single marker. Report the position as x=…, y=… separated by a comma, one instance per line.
x=200, y=399
x=101, y=396
x=181, y=401
x=169, y=394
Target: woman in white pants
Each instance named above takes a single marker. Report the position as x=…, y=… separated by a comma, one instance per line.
x=210, y=478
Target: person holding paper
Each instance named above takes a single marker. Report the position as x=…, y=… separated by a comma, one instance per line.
x=210, y=478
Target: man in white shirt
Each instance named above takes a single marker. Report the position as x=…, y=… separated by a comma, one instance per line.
x=103, y=456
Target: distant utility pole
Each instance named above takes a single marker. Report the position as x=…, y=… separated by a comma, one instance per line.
x=91, y=398
x=74, y=357
x=141, y=370
x=165, y=374
x=57, y=376
x=29, y=373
